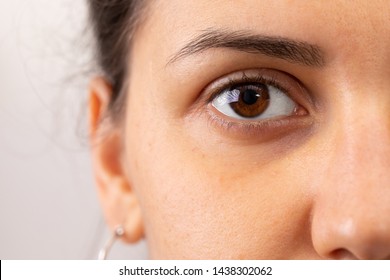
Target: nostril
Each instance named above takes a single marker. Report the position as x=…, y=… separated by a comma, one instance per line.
x=342, y=254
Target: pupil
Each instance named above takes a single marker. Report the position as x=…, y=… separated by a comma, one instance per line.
x=253, y=100
x=250, y=96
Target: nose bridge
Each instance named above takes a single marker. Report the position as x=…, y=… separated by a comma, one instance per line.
x=359, y=167
x=352, y=208
x=362, y=139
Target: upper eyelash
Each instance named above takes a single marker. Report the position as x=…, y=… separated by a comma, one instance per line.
x=270, y=81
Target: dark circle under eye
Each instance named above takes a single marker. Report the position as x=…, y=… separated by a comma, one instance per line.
x=253, y=100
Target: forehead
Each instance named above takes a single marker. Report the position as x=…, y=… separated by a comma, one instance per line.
x=335, y=23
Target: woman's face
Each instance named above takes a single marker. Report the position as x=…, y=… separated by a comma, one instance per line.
x=258, y=130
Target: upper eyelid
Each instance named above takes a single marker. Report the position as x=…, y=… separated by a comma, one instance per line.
x=271, y=81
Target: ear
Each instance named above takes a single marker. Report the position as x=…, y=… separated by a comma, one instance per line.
x=120, y=204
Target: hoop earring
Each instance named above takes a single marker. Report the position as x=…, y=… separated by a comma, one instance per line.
x=118, y=232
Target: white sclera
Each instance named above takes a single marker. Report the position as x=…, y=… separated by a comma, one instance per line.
x=280, y=104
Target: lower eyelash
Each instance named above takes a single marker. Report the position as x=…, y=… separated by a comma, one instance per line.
x=251, y=128
x=249, y=132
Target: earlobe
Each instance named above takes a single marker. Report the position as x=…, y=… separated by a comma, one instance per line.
x=119, y=201
x=121, y=207
x=132, y=222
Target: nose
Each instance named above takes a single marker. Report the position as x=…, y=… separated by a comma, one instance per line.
x=351, y=208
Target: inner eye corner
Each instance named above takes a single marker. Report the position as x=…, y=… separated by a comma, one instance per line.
x=300, y=110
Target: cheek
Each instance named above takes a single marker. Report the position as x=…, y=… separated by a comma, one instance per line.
x=198, y=205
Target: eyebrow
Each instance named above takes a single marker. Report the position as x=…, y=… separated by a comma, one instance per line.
x=297, y=52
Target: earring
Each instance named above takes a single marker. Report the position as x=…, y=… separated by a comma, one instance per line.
x=118, y=232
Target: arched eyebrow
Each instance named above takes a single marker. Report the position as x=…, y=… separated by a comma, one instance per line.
x=296, y=52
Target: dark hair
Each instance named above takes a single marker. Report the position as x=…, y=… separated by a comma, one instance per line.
x=114, y=23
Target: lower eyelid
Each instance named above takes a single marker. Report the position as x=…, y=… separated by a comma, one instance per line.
x=263, y=130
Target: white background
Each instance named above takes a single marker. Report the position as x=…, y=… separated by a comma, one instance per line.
x=48, y=205
x=281, y=269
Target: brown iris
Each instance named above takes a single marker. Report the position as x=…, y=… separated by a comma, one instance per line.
x=253, y=100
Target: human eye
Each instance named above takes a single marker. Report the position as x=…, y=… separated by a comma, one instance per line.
x=258, y=104
x=254, y=99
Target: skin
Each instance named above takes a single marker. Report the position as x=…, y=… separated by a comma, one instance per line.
x=315, y=184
